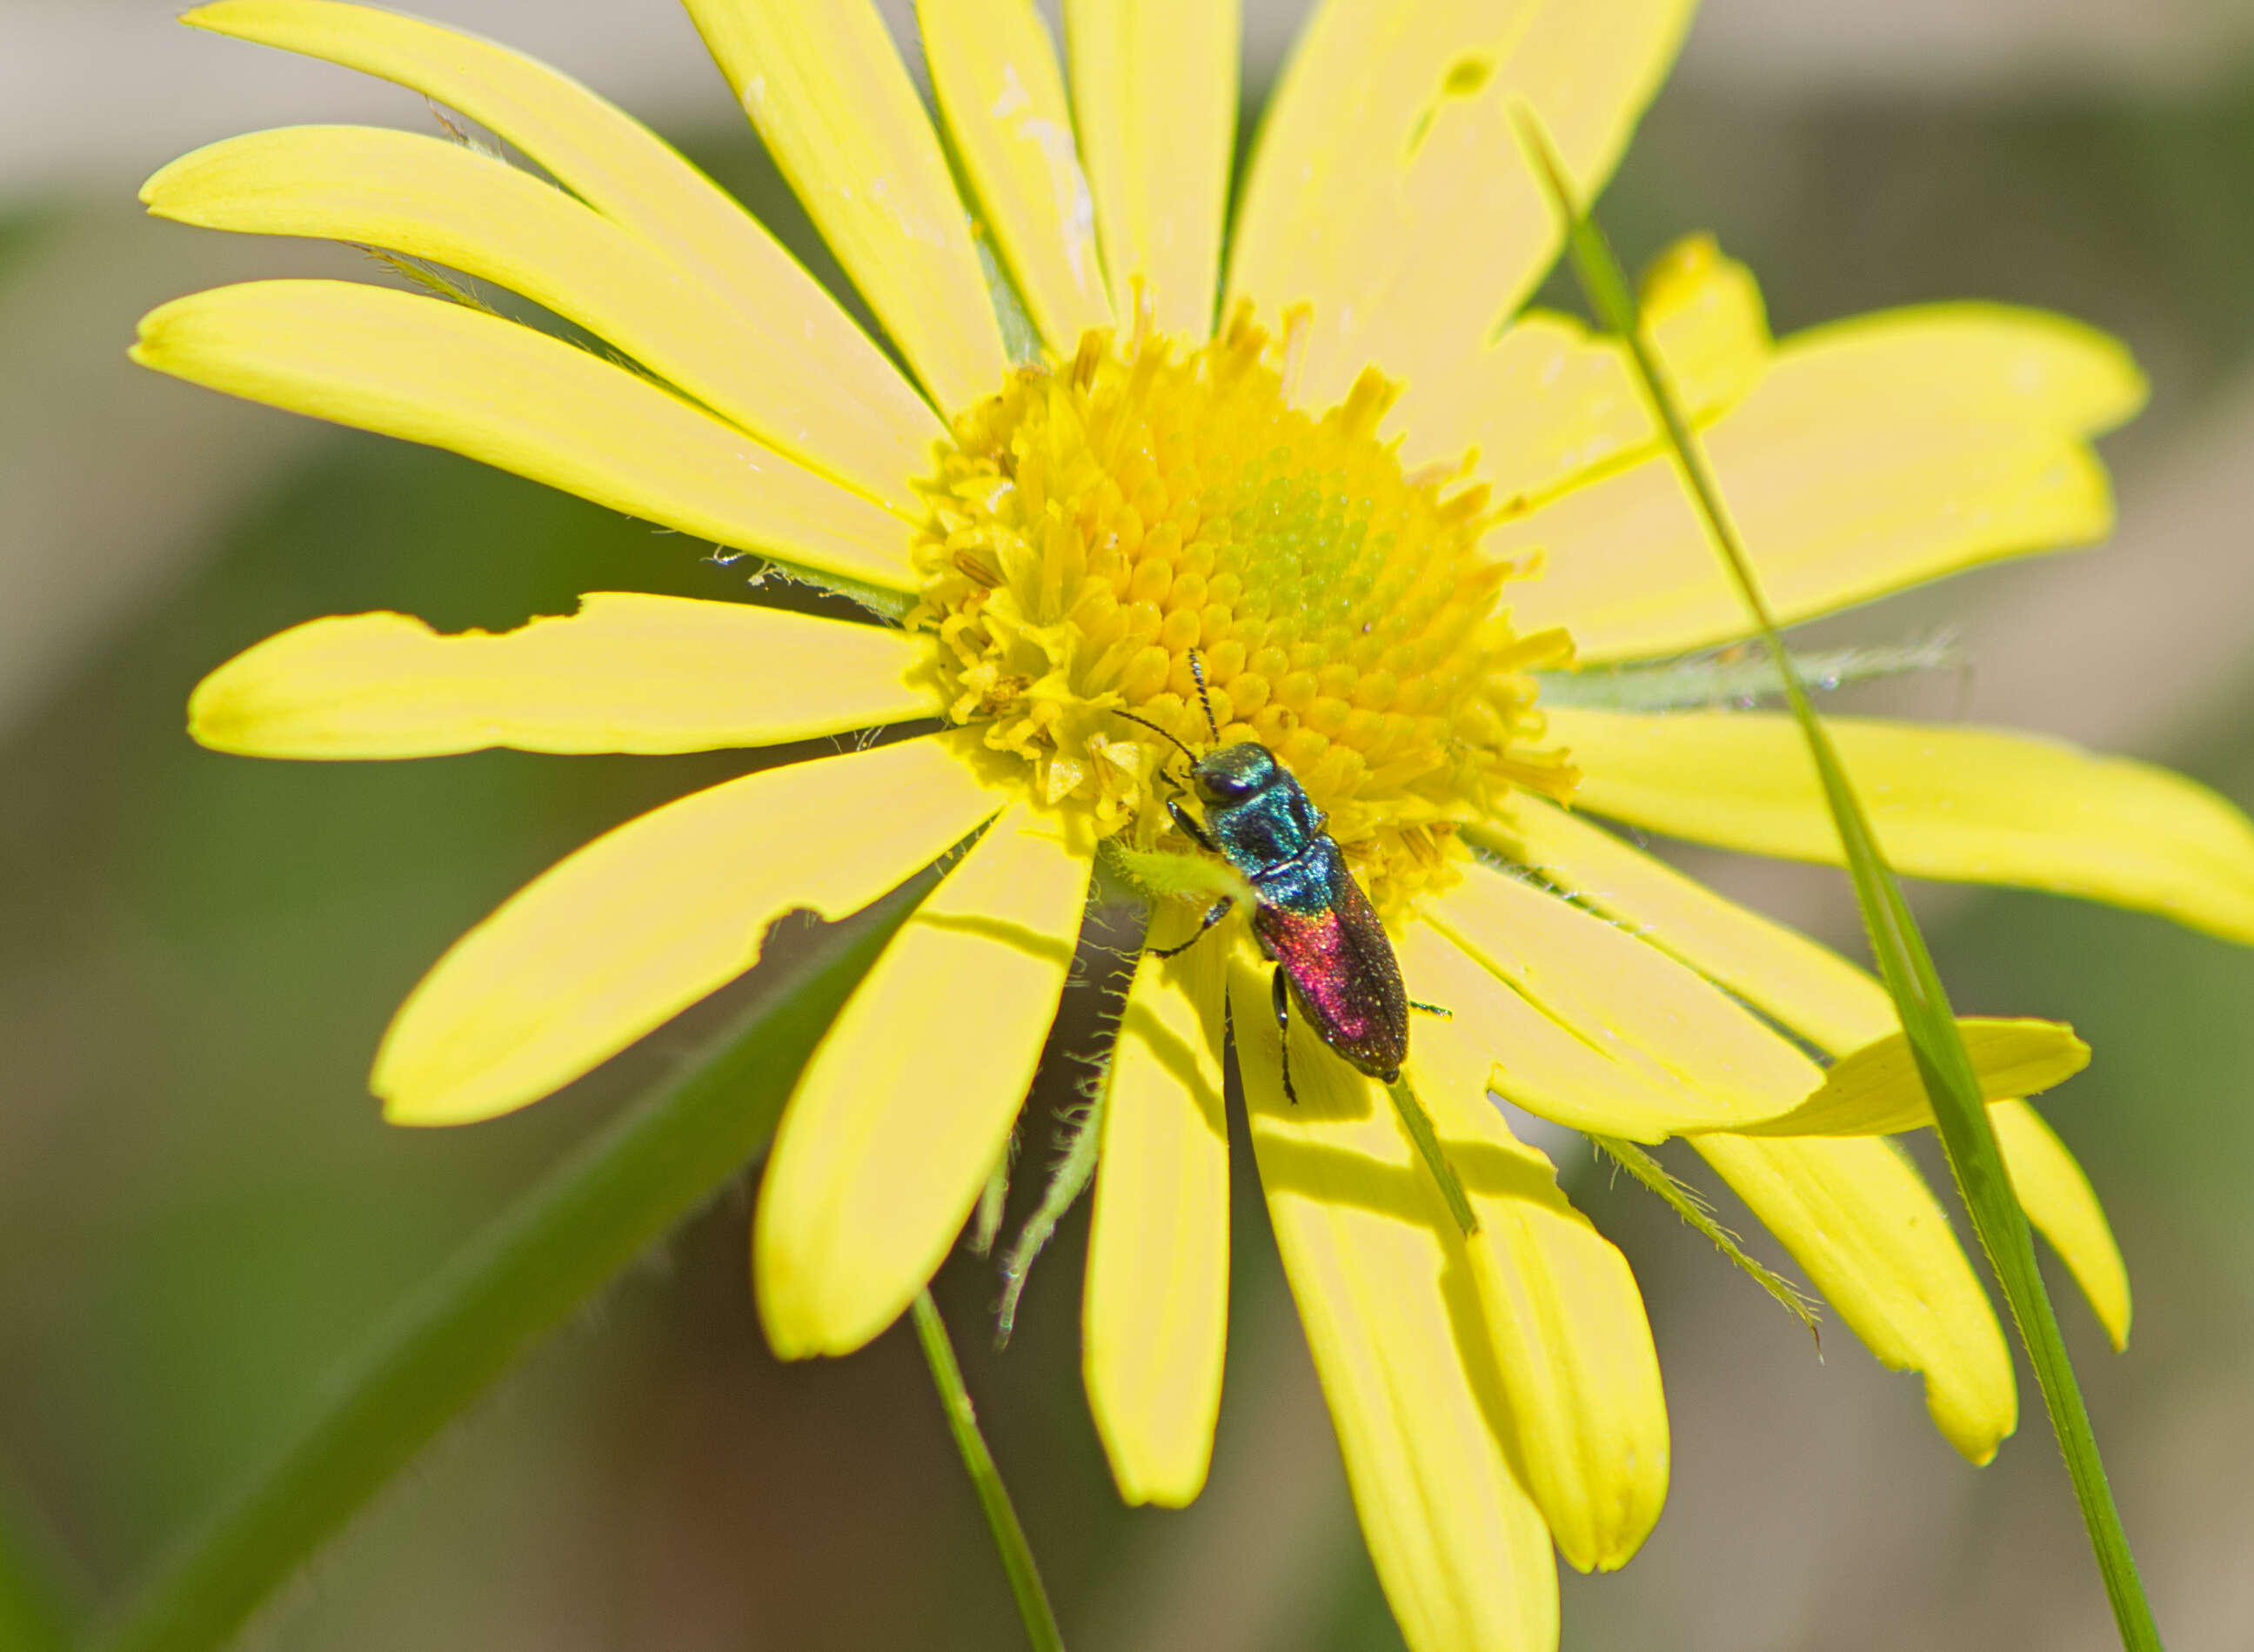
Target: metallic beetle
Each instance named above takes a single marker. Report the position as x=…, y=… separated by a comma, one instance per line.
x=1309, y=916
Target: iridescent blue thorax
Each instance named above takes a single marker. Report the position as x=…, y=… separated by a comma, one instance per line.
x=1257, y=816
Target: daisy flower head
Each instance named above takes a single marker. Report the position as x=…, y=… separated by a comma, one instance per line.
x=1337, y=490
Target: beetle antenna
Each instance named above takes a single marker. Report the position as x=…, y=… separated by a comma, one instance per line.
x=1197, y=671
x=1154, y=729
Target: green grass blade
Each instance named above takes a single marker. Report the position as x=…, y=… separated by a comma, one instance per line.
x=993, y=1497
x=1904, y=964
x=529, y=1270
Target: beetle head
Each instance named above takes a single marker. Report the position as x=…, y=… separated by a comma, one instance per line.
x=1235, y=773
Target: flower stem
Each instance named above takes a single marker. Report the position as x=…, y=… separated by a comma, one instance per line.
x=1697, y=1215
x=1739, y=676
x=1419, y=1123
x=530, y=1269
x=1082, y=1137
x=1904, y=964
x=993, y=1497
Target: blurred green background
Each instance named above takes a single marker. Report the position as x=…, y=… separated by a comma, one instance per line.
x=200, y=1212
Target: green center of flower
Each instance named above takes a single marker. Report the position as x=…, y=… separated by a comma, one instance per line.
x=1094, y=526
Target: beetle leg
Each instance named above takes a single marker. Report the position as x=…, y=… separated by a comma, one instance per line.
x=1282, y=996
x=1215, y=913
x=1444, y=1013
x=1191, y=829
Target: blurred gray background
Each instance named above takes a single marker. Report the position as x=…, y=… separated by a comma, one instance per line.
x=200, y=1212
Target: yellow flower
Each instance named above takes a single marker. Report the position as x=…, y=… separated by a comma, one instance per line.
x=1375, y=501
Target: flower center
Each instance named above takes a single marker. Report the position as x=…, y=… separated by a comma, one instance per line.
x=1094, y=526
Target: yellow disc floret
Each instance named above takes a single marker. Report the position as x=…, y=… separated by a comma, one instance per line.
x=1094, y=525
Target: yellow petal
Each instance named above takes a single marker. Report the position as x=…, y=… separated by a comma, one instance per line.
x=1876, y=1091
x=630, y=176
x=908, y=1100
x=1389, y=190
x=1156, y=1308
x=1861, y=1222
x=616, y=939
x=837, y=110
x=1977, y=361
x=1703, y=1063
x=1540, y=1063
x=1981, y=805
x=1400, y=1342
x=1852, y=1211
x=431, y=198
x=1572, y=1347
x=2064, y=1209
x=1819, y=995
x=429, y=371
x=627, y=673
x=1807, y=987
x=1547, y=403
x=1703, y=314
x=995, y=78
x=1154, y=87
x=1871, y=457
